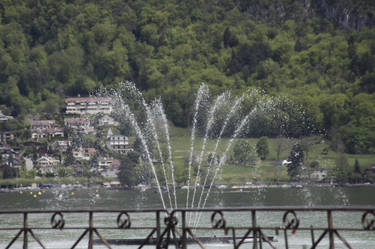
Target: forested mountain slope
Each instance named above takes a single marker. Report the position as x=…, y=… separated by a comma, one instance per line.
x=319, y=53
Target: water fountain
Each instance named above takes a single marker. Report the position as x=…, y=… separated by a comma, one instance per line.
x=150, y=125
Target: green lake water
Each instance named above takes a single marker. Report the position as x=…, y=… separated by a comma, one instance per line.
x=100, y=198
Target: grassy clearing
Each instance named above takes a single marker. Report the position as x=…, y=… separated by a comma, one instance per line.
x=266, y=171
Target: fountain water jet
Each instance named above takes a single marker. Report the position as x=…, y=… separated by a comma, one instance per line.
x=120, y=103
x=203, y=150
x=229, y=116
x=155, y=122
x=160, y=109
x=223, y=157
x=203, y=90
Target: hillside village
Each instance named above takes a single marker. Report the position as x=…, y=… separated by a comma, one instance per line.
x=52, y=148
x=85, y=140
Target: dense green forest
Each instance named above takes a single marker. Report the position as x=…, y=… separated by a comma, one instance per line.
x=320, y=54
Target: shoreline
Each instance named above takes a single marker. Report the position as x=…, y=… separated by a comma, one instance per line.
x=142, y=188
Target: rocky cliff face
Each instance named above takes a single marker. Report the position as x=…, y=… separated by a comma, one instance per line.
x=348, y=14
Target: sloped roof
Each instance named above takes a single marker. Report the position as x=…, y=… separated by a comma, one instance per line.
x=87, y=99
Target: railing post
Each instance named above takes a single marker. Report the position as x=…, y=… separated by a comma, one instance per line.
x=312, y=235
x=286, y=238
x=254, y=224
x=157, y=226
x=91, y=231
x=25, y=230
x=183, y=239
x=330, y=230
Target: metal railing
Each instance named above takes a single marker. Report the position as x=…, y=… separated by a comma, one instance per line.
x=174, y=229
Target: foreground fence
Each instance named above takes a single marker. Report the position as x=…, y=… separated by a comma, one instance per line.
x=183, y=228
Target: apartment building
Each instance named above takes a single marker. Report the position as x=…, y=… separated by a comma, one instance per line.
x=88, y=105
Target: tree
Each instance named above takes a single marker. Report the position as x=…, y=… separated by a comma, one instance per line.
x=69, y=159
x=262, y=148
x=229, y=39
x=296, y=158
x=357, y=168
x=9, y=172
x=342, y=168
x=128, y=173
x=244, y=153
x=356, y=176
x=63, y=171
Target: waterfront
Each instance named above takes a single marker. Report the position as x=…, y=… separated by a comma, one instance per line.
x=104, y=199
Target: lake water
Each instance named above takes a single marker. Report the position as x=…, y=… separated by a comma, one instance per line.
x=99, y=198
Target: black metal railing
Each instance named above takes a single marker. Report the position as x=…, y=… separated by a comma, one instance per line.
x=182, y=227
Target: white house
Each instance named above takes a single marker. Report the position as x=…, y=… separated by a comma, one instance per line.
x=117, y=143
x=104, y=162
x=47, y=164
x=47, y=133
x=88, y=105
x=42, y=124
x=37, y=133
x=45, y=129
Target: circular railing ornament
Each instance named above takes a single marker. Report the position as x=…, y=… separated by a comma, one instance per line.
x=123, y=220
x=170, y=221
x=290, y=220
x=220, y=222
x=368, y=220
x=57, y=221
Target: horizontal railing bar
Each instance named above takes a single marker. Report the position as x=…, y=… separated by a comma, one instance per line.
x=275, y=209
x=281, y=228
x=79, y=228
x=284, y=208
x=84, y=211
x=196, y=228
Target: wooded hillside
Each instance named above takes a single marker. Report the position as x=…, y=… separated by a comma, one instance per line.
x=320, y=54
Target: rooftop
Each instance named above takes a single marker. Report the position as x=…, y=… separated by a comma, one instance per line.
x=86, y=99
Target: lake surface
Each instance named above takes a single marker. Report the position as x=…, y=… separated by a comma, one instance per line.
x=100, y=198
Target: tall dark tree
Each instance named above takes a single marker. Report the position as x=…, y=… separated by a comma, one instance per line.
x=9, y=172
x=296, y=159
x=229, y=39
x=127, y=174
x=357, y=168
x=343, y=173
x=262, y=148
